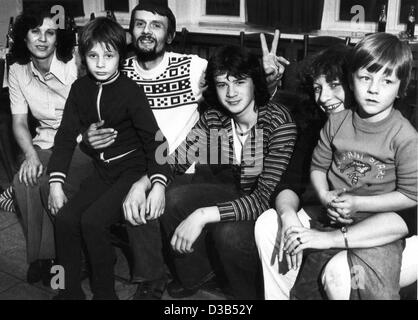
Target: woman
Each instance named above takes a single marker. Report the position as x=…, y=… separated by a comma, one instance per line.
x=242, y=145
x=325, y=74
x=39, y=83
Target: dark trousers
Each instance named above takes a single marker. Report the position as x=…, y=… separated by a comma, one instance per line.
x=231, y=244
x=88, y=216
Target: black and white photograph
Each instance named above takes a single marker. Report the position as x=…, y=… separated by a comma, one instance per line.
x=215, y=156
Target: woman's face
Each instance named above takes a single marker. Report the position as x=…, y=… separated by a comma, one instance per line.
x=41, y=41
x=329, y=96
x=236, y=95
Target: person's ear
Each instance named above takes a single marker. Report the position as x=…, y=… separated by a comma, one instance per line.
x=171, y=37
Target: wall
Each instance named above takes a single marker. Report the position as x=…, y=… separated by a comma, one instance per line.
x=8, y=8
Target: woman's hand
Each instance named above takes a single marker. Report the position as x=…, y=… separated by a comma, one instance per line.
x=155, y=202
x=57, y=198
x=300, y=238
x=191, y=228
x=287, y=221
x=30, y=170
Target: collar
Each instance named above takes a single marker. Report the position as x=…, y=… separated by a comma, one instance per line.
x=57, y=69
x=110, y=80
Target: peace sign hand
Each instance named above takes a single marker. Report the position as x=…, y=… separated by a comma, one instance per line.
x=272, y=64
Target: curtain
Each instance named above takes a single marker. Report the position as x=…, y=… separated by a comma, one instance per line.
x=287, y=15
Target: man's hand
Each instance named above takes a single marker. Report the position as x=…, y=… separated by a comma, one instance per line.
x=155, y=202
x=57, y=198
x=134, y=205
x=30, y=170
x=99, y=138
x=273, y=65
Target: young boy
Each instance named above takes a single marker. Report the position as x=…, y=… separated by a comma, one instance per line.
x=103, y=94
x=365, y=163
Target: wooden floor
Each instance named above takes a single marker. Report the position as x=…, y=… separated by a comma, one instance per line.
x=13, y=267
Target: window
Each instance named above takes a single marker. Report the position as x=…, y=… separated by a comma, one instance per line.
x=72, y=7
x=371, y=9
x=117, y=5
x=339, y=14
x=228, y=11
x=222, y=7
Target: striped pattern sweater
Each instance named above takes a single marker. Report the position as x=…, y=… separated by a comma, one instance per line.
x=265, y=156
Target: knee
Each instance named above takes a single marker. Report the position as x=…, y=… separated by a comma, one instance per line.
x=91, y=225
x=266, y=227
x=175, y=203
x=336, y=278
x=65, y=220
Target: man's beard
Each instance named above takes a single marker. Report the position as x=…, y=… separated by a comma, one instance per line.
x=148, y=55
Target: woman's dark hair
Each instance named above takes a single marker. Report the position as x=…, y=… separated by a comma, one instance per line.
x=331, y=62
x=160, y=9
x=28, y=20
x=106, y=31
x=239, y=63
x=384, y=50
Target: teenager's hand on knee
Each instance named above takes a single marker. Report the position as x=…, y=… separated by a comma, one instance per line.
x=30, y=170
x=187, y=232
x=191, y=228
x=57, y=198
x=134, y=205
x=99, y=138
x=155, y=202
x=301, y=238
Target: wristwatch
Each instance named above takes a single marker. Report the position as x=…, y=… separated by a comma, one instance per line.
x=344, y=232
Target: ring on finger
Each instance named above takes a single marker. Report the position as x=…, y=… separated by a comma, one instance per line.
x=299, y=240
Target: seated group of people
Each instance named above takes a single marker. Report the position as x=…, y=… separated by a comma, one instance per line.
x=207, y=170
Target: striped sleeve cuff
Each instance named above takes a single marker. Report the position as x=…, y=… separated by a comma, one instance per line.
x=57, y=177
x=226, y=211
x=159, y=178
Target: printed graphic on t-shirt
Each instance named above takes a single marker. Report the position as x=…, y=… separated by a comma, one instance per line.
x=169, y=90
x=359, y=167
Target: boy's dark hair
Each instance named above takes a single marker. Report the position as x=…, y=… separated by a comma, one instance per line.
x=331, y=62
x=384, y=50
x=239, y=63
x=30, y=19
x=106, y=31
x=160, y=9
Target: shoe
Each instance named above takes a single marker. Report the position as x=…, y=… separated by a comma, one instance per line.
x=33, y=274
x=150, y=290
x=177, y=291
x=46, y=274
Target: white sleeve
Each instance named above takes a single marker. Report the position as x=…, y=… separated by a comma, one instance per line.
x=18, y=103
x=197, y=75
